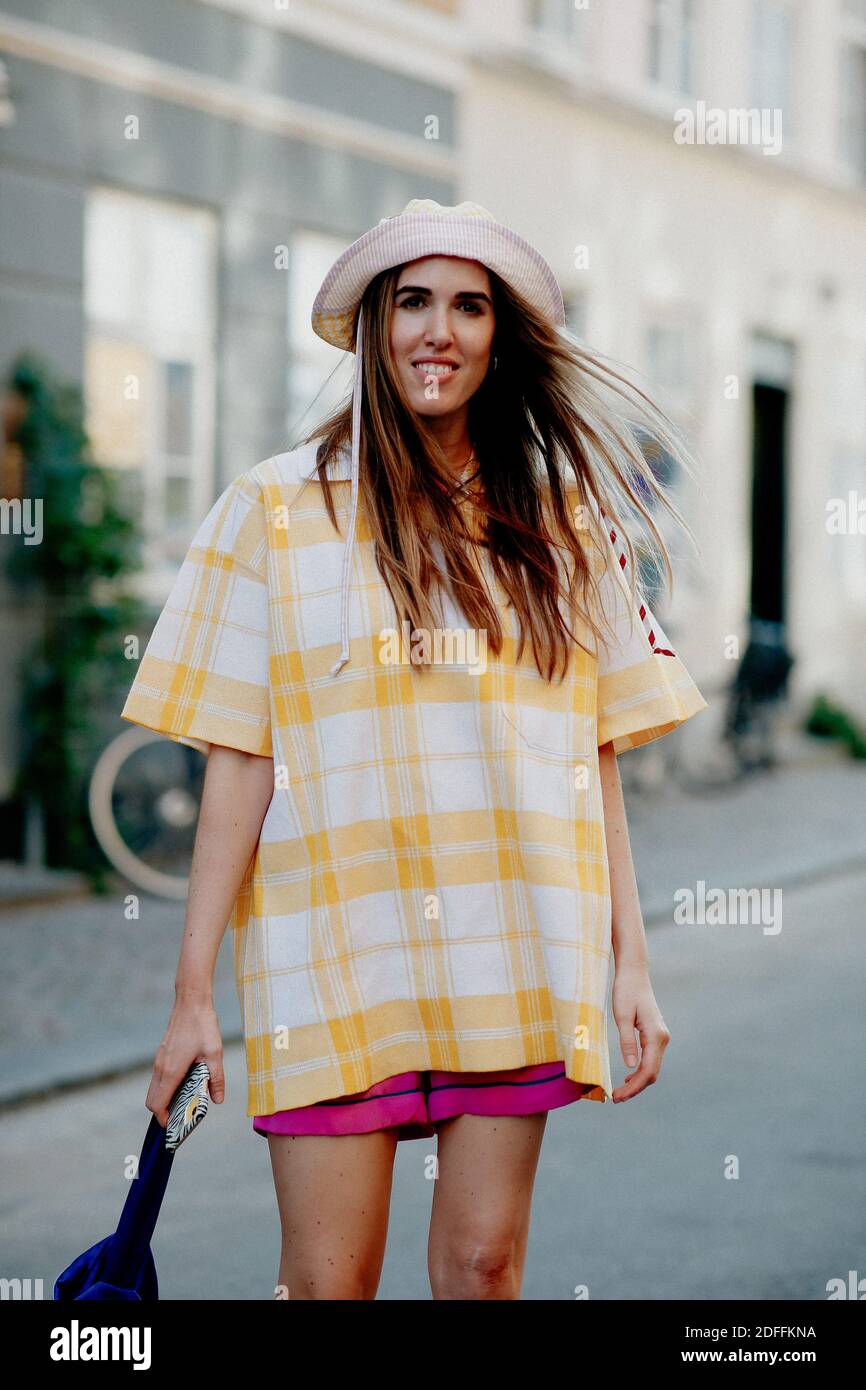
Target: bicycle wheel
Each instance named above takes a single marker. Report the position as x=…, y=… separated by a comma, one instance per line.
x=144, y=798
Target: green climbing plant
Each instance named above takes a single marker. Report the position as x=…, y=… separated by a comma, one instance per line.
x=89, y=545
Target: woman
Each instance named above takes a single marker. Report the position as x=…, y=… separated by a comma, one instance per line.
x=422, y=845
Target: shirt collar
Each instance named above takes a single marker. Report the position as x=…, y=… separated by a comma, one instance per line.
x=340, y=468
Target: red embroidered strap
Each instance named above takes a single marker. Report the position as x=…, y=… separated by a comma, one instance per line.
x=619, y=551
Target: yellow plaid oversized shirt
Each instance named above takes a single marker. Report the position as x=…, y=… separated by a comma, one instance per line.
x=430, y=889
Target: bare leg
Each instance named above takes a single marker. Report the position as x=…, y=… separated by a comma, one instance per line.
x=334, y=1196
x=481, y=1206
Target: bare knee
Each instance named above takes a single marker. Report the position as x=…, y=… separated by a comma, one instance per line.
x=311, y=1281
x=488, y=1268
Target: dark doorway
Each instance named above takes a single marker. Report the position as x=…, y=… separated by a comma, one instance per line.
x=769, y=414
x=762, y=676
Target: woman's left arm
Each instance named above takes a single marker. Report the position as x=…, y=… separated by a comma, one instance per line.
x=633, y=1001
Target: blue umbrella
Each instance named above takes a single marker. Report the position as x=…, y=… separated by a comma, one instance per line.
x=120, y=1266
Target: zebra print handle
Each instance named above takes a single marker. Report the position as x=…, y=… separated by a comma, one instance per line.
x=188, y=1106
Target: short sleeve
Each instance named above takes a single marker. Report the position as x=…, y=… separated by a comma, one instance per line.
x=644, y=690
x=204, y=676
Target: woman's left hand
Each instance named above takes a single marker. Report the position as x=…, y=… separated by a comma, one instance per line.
x=635, y=1009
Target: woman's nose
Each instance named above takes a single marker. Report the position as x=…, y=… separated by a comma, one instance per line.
x=438, y=328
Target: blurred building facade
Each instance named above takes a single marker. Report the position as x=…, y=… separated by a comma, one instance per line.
x=175, y=178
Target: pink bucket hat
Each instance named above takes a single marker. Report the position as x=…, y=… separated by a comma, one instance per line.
x=423, y=228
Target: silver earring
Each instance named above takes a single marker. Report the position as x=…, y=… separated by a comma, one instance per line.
x=495, y=362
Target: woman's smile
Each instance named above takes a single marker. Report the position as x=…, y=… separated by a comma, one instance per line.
x=426, y=367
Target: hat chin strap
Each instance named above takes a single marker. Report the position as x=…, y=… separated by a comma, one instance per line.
x=357, y=388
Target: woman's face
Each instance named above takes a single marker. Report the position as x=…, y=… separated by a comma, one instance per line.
x=442, y=326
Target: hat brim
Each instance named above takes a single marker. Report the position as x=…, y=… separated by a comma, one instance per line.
x=409, y=237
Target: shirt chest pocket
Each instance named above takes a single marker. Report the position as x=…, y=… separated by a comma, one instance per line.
x=547, y=720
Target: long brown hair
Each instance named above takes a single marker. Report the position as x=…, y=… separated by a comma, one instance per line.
x=550, y=407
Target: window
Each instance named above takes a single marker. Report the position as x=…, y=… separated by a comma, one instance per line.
x=773, y=32
x=560, y=32
x=671, y=44
x=669, y=351
x=847, y=386
x=772, y=361
x=150, y=297
x=854, y=106
x=562, y=17
x=846, y=394
x=852, y=83
x=576, y=312
x=7, y=107
x=847, y=557
x=315, y=388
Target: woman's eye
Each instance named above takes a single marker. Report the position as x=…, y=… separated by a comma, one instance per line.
x=412, y=299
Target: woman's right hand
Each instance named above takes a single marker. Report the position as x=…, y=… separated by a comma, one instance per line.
x=192, y=1035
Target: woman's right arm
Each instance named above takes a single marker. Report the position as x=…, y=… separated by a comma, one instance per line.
x=238, y=788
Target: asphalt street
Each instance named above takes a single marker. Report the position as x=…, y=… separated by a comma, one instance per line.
x=740, y=1175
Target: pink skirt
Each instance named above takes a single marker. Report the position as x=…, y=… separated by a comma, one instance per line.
x=415, y=1101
